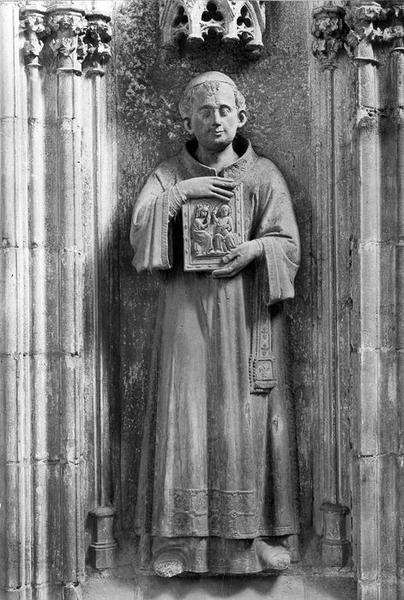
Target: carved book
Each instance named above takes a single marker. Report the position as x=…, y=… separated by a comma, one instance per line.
x=211, y=228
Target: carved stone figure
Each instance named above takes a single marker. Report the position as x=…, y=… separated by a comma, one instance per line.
x=216, y=478
x=201, y=235
x=223, y=236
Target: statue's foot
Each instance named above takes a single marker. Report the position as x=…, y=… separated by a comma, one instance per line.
x=273, y=557
x=168, y=564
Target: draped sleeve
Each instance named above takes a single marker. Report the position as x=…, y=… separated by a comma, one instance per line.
x=150, y=233
x=277, y=229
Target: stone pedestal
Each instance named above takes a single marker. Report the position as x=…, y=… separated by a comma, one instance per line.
x=103, y=546
x=335, y=547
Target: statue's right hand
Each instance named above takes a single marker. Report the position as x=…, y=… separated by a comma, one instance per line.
x=218, y=188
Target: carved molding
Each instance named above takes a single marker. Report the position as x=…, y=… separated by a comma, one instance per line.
x=196, y=21
x=335, y=28
x=75, y=39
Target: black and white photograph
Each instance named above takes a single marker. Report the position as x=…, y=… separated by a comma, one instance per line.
x=202, y=300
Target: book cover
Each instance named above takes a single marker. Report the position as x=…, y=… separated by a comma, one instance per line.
x=211, y=228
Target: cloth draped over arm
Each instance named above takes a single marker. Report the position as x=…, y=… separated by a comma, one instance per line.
x=150, y=233
x=278, y=233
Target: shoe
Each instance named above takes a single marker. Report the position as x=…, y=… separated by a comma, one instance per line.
x=273, y=557
x=169, y=564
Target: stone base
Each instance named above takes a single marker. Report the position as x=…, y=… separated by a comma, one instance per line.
x=283, y=587
x=102, y=550
x=335, y=548
x=102, y=556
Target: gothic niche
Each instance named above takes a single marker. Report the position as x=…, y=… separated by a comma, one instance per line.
x=197, y=22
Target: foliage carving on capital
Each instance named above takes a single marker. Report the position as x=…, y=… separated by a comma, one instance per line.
x=198, y=21
x=328, y=29
x=360, y=24
x=363, y=21
x=97, y=40
x=33, y=26
x=74, y=39
x=66, y=31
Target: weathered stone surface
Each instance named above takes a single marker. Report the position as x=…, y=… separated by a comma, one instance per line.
x=298, y=587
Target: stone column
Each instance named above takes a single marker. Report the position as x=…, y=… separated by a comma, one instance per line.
x=375, y=434
x=15, y=410
x=397, y=70
x=370, y=33
x=67, y=27
x=99, y=147
x=45, y=482
x=332, y=339
x=33, y=23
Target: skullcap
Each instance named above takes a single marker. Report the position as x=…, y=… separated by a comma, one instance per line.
x=208, y=77
x=215, y=76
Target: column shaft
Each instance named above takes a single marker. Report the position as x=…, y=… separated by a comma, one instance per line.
x=70, y=320
x=39, y=346
x=398, y=74
x=15, y=484
x=331, y=332
x=376, y=434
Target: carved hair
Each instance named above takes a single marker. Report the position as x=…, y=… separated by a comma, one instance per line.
x=211, y=87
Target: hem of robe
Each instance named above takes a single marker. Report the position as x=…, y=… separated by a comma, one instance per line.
x=215, y=556
x=268, y=532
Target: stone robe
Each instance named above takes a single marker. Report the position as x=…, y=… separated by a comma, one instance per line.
x=217, y=460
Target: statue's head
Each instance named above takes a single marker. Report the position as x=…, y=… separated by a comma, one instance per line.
x=201, y=210
x=223, y=211
x=213, y=110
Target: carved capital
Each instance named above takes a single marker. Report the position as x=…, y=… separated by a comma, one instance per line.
x=356, y=28
x=73, y=38
x=369, y=118
x=97, y=39
x=328, y=29
x=197, y=21
x=66, y=30
x=33, y=26
x=363, y=21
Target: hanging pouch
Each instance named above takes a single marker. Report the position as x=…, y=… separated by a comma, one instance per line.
x=262, y=364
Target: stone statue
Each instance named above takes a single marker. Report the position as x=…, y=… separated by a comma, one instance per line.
x=216, y=491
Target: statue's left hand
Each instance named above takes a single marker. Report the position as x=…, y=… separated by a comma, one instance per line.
x=238, y=259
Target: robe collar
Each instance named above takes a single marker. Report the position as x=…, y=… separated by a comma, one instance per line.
x=236, y=170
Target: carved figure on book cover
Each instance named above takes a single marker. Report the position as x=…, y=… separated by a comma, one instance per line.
x=201, y=235
x=216, y=488
x=223, y=236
